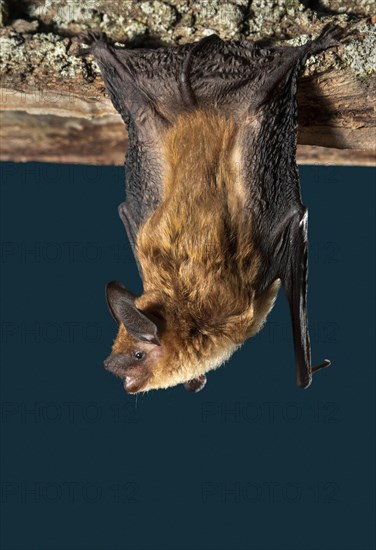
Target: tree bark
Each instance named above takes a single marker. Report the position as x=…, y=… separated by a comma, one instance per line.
x=54, y=107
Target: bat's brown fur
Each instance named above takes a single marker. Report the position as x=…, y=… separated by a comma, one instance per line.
x=198, y=262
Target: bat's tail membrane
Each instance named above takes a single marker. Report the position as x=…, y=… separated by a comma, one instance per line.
x=185, y=85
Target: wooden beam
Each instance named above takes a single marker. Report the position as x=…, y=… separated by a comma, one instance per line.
x=53, y=106
x=102, y=140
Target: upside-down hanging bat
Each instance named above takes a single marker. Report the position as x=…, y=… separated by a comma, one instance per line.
x=213, y=208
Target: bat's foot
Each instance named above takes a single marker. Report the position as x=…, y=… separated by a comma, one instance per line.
x=91, y=40
x=330, y=37
x=196, y=384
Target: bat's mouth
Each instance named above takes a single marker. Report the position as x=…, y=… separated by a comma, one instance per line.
x=134, y=379
x=128, y=381
x=130, y=385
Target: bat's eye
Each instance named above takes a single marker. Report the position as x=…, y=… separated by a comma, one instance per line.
x=139, y=355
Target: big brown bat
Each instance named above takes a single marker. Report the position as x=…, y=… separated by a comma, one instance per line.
x=213, y=207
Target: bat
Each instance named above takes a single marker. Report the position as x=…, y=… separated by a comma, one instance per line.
x=213, y=207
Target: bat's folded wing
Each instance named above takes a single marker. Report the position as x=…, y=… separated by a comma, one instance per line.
x=290, y=264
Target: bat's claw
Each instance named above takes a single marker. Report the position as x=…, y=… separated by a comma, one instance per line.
x=196, y=384
x=330, y=36
x=323, y=365
x=305, y=380
x=90, y=39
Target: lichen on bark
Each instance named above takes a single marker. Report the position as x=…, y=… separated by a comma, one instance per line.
x=39, y=40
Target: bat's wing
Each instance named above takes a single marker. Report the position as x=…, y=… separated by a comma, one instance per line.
x=289, y=262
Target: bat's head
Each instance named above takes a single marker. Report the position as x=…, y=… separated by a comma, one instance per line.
x=137, y=349
x=153, y=349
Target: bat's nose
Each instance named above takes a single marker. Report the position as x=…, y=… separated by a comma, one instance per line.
x=108, y=362
x=116, y=362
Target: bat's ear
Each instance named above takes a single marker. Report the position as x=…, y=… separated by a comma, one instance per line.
x=121, y=303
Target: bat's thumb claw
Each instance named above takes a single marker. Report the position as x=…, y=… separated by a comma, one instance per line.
x=323, y=365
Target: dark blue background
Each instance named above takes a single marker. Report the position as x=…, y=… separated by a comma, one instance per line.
x=251, y=462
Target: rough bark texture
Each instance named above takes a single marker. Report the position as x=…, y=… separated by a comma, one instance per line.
x=54, y=107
